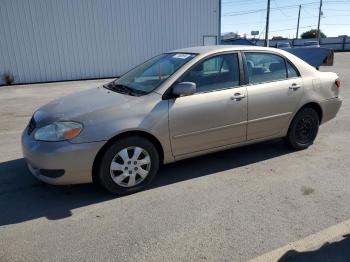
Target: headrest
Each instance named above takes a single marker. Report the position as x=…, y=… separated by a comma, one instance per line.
x=276, y=67
x=250, y=64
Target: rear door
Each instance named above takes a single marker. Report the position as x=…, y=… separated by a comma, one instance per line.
x=274, y=91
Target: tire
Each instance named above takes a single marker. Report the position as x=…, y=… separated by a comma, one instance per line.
x=303, y=129
x=121, y=172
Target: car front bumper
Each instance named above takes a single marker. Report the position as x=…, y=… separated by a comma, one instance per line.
x=60, y=163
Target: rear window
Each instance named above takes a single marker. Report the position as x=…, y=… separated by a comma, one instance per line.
x=265, y=67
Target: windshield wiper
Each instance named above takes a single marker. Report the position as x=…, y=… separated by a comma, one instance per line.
x=120, y=88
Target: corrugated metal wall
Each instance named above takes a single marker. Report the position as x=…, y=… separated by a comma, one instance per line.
x=50, y=40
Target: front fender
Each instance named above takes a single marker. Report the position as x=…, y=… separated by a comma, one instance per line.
x=152, y=120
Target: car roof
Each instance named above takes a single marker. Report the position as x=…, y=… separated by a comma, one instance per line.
x=204, y=51
x=219, y=48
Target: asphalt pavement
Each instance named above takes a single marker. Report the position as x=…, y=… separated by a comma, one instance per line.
x=234, y=205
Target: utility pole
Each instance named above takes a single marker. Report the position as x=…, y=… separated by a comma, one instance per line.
x=319, y=21
x=296, y=37
x=267, y=24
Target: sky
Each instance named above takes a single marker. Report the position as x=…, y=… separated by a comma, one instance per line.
x=243, y=16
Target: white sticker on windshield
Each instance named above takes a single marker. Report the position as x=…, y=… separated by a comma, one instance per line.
x=181, y=56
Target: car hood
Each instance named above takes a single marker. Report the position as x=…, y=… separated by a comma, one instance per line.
x=86, y=106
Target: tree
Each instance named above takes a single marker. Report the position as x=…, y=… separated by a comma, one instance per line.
x=230, y=35
x=312, y=34
x=279, y=38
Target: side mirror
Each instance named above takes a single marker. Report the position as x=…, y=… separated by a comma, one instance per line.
x=184, y=89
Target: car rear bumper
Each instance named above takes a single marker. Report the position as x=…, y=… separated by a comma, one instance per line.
x=60, y=163
x=330, y=108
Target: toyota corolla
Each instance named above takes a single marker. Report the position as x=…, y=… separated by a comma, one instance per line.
x=174, y=106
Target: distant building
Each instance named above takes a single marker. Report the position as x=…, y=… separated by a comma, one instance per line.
x=237, y=41
x=230, y=35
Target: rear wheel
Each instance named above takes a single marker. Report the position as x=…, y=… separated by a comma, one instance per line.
x=303, y=129
x=128, y=165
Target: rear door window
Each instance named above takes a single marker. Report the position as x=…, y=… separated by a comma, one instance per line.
x=265, y=67
x=292, y=72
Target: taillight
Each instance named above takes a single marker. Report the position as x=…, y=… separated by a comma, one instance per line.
x=337, y=82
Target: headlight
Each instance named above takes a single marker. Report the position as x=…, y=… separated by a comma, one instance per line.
x=58, y=131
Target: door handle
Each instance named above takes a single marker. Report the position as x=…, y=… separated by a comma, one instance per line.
x=237, y=96
x=294, y=87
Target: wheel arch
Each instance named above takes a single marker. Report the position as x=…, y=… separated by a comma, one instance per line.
x=112, y=140
x=314, y=106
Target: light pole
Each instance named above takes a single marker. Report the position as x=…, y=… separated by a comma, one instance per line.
x=319, y=21
x=267, y=24
x=296, y=37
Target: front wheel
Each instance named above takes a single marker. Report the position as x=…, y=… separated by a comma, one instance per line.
x=303, y=129
x=128, y=165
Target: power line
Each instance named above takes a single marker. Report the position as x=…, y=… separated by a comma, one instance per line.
x=290, y=29
x=313, y=15
x=264, y=9
x=308, y=5
x=272, y=21
x=242, y=3
x=303, y=27
x=338, y=10
x=328, y=9
x=333, y=24
x=337, y=2
x=279, y=9
x=244, y=12
x=239, y=1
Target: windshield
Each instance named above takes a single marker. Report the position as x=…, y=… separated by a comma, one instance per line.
x=149, y=75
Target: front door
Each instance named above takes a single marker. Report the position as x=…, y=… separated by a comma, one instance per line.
x=216, y=115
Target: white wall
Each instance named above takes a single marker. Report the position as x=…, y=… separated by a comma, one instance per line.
x=50, y=40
